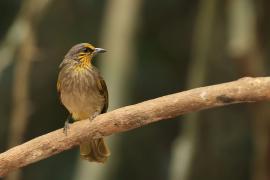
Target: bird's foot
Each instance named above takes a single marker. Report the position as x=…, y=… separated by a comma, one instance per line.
x=66, y=125
x=94, y=116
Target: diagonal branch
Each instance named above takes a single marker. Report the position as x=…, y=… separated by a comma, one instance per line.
x=134, y=116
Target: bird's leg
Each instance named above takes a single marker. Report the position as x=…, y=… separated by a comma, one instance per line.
x=66, y=125
x=94, y=115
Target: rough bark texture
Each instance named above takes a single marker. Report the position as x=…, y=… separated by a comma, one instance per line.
x=130, y=117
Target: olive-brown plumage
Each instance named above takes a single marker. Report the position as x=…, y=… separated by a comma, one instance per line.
x=84, y=93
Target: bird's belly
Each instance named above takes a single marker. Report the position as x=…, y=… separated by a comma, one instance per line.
x=82, y=105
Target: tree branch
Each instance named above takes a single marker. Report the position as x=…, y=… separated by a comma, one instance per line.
x=134, y=116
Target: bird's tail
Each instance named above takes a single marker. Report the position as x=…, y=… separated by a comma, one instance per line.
x=95, y=150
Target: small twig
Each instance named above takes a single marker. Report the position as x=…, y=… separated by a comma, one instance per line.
x=134, y=116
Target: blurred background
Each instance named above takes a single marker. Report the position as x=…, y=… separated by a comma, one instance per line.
x=155, y=48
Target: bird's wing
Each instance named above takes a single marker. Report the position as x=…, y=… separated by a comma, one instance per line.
x=58, y=86
x=103, y=91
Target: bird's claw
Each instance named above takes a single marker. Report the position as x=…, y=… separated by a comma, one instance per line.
x=66, y=127
x=94, y=116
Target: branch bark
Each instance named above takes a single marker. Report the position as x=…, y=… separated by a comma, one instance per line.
x=134, y=116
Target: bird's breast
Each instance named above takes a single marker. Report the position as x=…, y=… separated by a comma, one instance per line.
x=80, y=94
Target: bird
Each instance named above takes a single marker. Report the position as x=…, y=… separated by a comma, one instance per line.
x=83, y=92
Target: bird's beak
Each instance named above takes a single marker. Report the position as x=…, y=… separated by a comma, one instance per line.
x=99, y=50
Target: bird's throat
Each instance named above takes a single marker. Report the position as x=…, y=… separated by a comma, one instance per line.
x=85, y=63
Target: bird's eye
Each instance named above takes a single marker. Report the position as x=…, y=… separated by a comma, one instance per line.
x=86, y=50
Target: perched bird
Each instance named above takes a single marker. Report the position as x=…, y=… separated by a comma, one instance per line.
x=84, y=93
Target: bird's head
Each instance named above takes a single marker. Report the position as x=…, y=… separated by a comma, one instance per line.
x=83, y=53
